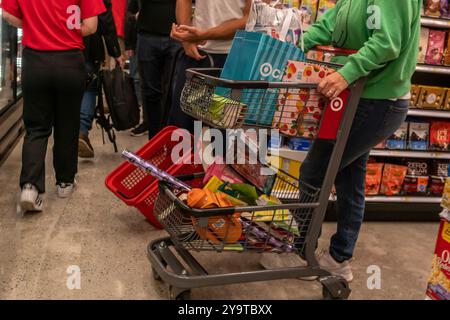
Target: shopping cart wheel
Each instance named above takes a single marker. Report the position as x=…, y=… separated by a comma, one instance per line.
x=335, y=288
x=156, y=275
x=179, y=294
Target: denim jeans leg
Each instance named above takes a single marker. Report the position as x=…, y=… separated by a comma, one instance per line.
x=87, y=112
x=375, y=121
x=136, y=79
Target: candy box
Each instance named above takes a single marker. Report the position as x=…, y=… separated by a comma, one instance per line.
x=398, y=139
x=433, y=8
x=324, y=6
x=440, y=135
x=439, y=281
x=392, y=181
x=417, y=168
x=439, y=168
x=445, y=13
x=415, y=92
x=309, y=11
x=437, y=185
x=431, y=97
x=418, y=135
x=374, y=172
x=423, y=47
x=414, y=185
x=446, y=105
x=436, y=46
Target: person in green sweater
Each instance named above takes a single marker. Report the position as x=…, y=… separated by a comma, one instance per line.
x=386, y=35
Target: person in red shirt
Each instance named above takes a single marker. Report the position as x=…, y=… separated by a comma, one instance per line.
x=53, y=81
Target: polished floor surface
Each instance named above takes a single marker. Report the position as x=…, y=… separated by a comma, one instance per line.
x=105, y=240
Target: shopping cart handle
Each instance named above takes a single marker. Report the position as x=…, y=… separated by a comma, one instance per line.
x=341, y=51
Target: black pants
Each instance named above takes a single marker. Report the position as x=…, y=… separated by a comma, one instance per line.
x=156, y=55
x=53, y=86
x=177, y=117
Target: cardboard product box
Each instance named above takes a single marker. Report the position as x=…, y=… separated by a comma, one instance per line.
x=417, y=168
x=431, y=97
x=446, y=104
x=392, y=181
x=419, y=133
x=432, y=8
x=439, y=281
x=440, y=135
x=415, y=93
x=398, y=140
x=423, y=47
x=374, y=173
x=436, y=46
x=439, y=168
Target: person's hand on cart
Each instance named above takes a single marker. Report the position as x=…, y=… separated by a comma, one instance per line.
x=189, y=40
x=333, y=85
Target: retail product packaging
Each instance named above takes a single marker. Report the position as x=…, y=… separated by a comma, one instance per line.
x=417, y=168
x=373, y=178
x=418, y=135
x=309, y=11
x=436, y=45
x=324, y=6
x=445, y=6
x=439, y=168
x=223, y=172
x=392, y=181
x=281, y=24
x=431, y=97
x=440, y=135
x=446, y=105
x=415, y=185
x=447, y=52
x=437, y=185
x=381, y=145
x=398, y=139
x=299, y=144
x=423, y=48
x=299, y=111
x=439, y=282
x=433, y=8
x=257, y=56
x=415, y=92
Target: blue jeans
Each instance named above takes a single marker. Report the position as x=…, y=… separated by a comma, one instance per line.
x=375, y=121
x=156, y=55
x=88, y=103
x=136, y=79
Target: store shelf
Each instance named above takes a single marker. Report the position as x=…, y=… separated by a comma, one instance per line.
x=429, y=113
x=435, y=23
x=425, y=68
x=289, y=154
x=398, y=199
x=410, y=154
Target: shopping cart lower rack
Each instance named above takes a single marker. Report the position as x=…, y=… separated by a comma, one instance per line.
x=293, y=226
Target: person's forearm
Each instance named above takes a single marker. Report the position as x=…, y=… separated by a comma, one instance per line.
x=184, y=12
x=89, y=26
x=12, y=20
x=224, y=31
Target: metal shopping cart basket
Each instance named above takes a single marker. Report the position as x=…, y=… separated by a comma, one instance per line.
x=293, y=226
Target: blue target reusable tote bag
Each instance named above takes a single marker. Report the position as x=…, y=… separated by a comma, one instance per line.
x=257, y=56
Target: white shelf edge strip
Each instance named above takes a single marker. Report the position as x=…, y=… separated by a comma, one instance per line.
x=433, y=69
x=410, y=154
x=429, y=113
x=435, y=22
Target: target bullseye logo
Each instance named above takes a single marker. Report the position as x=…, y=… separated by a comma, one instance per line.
x=337, y=104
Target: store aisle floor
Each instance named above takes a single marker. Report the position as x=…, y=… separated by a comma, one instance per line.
x=107, y=240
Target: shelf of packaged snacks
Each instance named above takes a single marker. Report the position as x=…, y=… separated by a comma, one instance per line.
x=435, y=69
x=410, y=154
x=431, y=22
x=429, y=113
x=289, y=154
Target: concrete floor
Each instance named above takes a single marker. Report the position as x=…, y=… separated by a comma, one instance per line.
x=107, y=240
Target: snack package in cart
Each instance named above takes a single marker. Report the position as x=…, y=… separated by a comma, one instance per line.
x=439, y=281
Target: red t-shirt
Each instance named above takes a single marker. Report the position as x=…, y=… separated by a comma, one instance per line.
x=53, y=25
x=119, y=8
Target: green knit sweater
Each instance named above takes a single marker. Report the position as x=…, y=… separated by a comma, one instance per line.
x=386, y=34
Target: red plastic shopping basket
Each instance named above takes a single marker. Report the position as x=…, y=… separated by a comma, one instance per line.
x=137, y=188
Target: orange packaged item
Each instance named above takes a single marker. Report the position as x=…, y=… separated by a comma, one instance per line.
x=220, y=229
x=374, y=174
x=393, y=177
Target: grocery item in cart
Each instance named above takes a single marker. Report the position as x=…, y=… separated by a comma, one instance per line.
x=439, y=281
x=392, y=181
x=309, y=11
x=436, y=45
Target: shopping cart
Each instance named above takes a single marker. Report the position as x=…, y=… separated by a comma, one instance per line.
x=292, y=226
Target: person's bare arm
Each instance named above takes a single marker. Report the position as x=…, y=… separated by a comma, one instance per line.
x=224, y=31
x=89, y=26
x=184, y=12
x=12, y=20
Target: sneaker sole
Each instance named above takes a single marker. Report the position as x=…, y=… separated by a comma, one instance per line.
x=28, y=203
x=84, y=151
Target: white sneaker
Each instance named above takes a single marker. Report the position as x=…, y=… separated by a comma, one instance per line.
x=283, y=260
x=327, y=262
x=65, y=190
x=30, y=200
